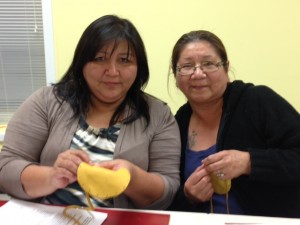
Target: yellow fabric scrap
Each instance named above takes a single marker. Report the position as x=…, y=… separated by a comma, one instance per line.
x=102, y=183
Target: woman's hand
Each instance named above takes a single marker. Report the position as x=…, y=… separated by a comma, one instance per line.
x=198, y=187
x=119, y=163
x=60, y=178
x=144, y=187
x=39, y=181
x=69, y=161
x=228, y=164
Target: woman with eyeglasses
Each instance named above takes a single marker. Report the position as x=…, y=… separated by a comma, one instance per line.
x=240, y=142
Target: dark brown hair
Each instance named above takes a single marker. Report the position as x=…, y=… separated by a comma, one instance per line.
x=198, y=35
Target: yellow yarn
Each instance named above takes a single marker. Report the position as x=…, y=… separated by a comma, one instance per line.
x=220, y=187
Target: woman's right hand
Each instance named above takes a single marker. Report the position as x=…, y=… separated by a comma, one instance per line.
x=68, y=162
x=198, y=187
x=39, y=180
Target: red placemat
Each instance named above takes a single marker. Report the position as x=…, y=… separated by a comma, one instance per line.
x=2, y=203
x=120, y=217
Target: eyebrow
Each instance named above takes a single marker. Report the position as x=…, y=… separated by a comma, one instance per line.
x=206, y=57
x=128, y=53
x=210, y=57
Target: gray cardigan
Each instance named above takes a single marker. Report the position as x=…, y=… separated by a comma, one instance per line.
x=41, y=129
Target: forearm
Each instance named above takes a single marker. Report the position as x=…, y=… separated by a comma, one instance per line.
x=144, y=187
x=36, y=181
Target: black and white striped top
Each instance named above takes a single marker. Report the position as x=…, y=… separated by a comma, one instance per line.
x=99, y=144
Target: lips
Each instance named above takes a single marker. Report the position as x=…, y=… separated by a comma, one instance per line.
x=198, y=86
x=111, y=84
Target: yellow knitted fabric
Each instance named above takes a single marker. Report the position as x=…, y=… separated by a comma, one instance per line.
x=221, y=187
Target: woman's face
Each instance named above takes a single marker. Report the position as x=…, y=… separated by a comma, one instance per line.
x=201, y=87
x=111, y=74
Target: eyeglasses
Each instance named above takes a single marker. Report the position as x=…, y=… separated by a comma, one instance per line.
x=206, y=67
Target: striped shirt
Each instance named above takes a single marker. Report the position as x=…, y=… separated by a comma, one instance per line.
x=99, y=144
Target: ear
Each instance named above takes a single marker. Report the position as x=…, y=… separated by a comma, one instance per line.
x=176, y=80
x=227, y=66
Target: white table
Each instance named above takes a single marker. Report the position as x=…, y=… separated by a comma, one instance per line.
x=188, y=218
x=184, y=218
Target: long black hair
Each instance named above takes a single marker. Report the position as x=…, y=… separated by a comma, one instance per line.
x=73, y=88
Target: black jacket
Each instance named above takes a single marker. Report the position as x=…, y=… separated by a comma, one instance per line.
x=257, y=120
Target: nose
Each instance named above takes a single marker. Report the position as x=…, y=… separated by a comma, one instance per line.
x=198, y=71
x=112, y=68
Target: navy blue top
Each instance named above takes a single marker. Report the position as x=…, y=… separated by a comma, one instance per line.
x=192, y=162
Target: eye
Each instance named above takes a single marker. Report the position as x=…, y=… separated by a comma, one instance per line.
x=208, y=63
x=124, y=59
x=99, y=59
x=186, y=66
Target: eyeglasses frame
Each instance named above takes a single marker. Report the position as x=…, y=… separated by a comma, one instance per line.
x=217, y=64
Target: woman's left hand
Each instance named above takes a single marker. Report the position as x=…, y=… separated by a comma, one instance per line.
x=228, y=164
x=117, y=164
x=144, y=187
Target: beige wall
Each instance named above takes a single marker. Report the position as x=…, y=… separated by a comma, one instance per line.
x=262, y=37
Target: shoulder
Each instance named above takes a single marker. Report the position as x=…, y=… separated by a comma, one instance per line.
x=34, y=108
x=238, y=89
x=155, y=103
x=43, y=95
x=263, y=93
x=261, y=89
x=184, y=111
x=42, y=92
x=45, y=100
x=264, y=98
x=160, y=112
x=38, y=99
